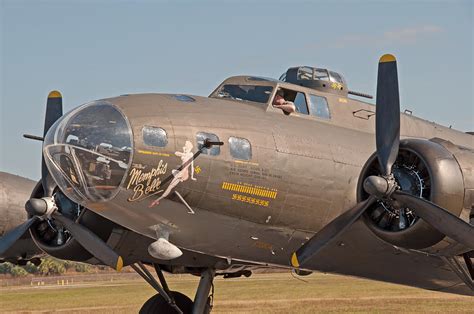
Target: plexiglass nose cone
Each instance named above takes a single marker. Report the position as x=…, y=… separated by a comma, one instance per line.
x=88, y=152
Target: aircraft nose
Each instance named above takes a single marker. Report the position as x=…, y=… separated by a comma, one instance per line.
x=88, y=152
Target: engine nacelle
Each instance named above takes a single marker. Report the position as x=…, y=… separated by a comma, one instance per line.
x=55, y=240
x=14, y=192
x=431, y=170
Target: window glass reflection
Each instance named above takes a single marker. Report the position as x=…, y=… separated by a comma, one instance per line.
x=300, y=103
x=305, y=73
x=201, y=137
x=252, y=93
x=321, y=74
x=154, y=136
x=184, y=98
x=90, y=154
x=240, y=148
x=336, y=77
x=319, y=107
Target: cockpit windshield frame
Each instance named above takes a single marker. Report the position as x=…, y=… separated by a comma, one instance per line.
x=256, y=93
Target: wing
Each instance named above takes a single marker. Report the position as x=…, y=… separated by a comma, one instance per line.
x=358, y=252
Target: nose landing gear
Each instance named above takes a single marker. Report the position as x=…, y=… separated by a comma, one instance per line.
x=167, y=301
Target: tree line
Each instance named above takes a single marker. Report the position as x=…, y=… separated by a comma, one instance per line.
x=49, y=267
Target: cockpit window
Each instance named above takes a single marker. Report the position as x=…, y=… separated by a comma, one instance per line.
x=154, y=136
x=297, y=98
x=319, y=107
x=300, y=103
x=201, y=137
x=252, y=93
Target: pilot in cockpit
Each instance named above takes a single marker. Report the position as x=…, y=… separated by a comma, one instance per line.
x=280, y=102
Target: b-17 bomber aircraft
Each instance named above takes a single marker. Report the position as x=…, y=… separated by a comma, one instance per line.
x=225, y=184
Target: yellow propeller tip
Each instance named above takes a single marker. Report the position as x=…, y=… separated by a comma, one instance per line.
x=294, y=261
x=54, y=94
x=119, y=265
x=387, y=58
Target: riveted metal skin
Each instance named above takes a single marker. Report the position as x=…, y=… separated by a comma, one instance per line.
x=303, y=172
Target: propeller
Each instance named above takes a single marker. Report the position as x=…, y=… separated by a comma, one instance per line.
x=37, y=207
x=45, y=208
x=91, y=242
x=387, y=115
x=54, y=111
x=439, y=218
x=384, y=187
x=329, y=232
x=16, y=233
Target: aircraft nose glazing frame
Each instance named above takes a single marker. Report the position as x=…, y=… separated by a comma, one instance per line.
x=89, y=152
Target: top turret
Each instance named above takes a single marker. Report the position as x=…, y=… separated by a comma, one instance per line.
x=319, y=79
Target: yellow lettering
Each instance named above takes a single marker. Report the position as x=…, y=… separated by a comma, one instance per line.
x=137, y=193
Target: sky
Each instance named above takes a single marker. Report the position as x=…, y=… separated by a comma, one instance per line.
x=96, y=49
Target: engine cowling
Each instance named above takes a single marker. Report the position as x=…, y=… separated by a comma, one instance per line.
x=52, y=238
x=14, y=192
x=427, y=169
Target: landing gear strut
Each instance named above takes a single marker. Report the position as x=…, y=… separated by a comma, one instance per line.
x=167, y=301
x=202, y=300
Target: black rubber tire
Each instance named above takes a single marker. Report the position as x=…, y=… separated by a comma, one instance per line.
x=158, y=304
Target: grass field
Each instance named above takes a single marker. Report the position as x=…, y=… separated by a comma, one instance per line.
x=261, y=293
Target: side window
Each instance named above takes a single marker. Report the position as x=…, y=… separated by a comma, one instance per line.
x=300, y=103
x=201, y=137
x=319, y=107
x=154, y=136
x=240, y=148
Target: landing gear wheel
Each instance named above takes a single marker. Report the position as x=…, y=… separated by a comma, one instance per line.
x=158, y=304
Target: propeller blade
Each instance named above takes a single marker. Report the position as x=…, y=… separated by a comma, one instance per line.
x=54, y=111
x=91, y=242
x=329, y=233
x=439, y=218
x=13, y=235
x=387, y=113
